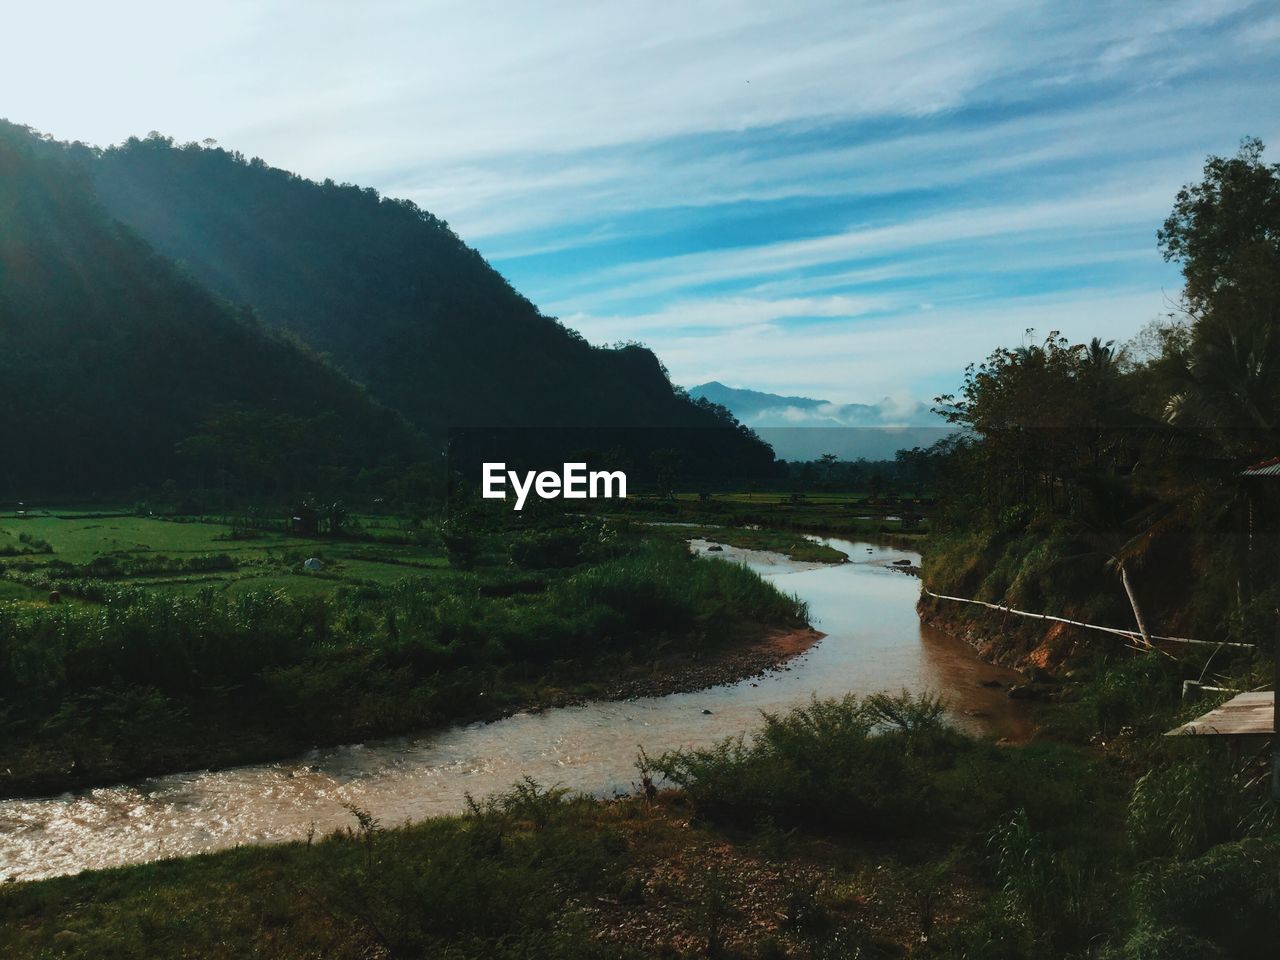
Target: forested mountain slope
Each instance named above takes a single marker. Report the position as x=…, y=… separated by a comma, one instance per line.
x=116, y=368
x=393, y=296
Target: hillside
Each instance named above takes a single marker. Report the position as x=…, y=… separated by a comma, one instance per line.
x=117, y=369
x=1120, y=487
x=396, y=300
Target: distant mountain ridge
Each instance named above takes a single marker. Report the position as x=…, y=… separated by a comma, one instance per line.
x=750, y=402
x=804, y=428
x=394, y=298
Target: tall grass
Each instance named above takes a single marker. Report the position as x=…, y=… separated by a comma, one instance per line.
x=356, y=663
x=886, y=764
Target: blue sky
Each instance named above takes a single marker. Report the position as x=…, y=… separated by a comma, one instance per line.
x=843, y=200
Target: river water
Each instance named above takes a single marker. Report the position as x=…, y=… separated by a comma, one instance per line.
x=874, y=641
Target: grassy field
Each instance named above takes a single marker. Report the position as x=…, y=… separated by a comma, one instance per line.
x=850, y=514
x=149, y=553
x=138, y=645
x=859, y=497
x=48, y=547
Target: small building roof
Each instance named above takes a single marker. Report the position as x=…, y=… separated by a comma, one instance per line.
x=1244, y=715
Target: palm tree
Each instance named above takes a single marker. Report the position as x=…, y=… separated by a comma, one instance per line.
x=1230, y=384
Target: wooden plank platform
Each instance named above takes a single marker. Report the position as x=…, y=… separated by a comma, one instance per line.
x=1244, y=715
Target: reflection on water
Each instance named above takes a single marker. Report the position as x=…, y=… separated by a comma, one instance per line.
x=874, y=642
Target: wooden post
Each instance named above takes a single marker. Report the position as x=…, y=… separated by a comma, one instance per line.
x=1275, y=714
x=1252, y=477
x=1275, y=683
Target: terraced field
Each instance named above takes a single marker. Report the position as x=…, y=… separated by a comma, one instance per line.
x=48, y=550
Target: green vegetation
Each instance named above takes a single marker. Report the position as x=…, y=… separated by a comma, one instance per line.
x=1075, y=850
x=824, y=769
x=771, y=846
x=491, y=884
x=160, y=661
x=796, y=547
x=851, y=515
x=110, y=358
x=441, y=337
x=107, y=550
x=1104, y=483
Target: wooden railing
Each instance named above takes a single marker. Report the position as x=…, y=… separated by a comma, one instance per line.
x=1132, y=635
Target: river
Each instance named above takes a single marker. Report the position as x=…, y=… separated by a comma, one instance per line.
x=874, y=641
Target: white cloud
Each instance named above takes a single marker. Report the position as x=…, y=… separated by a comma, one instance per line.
x=731, y=313
x=910, y=355
x=1097, y=211
x=341, y=86
x=966, y=140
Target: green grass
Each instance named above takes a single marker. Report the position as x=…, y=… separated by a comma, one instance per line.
x=215, y=651
x=270, y=560
x=845, y=829
x=791, y=545
x=831, y=514
x=17, y=591
x=488, y=885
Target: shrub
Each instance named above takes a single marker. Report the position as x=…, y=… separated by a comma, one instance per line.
x=1228, y=896
x=461, y=543
x=538, y=551
x=826, y=765
x=494, y=881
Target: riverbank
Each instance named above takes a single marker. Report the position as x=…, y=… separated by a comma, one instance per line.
x=874, y=641
x=902, y=523
x=796, y=547
x=850, y=827
x=600, y=879
x=685, y=673
x=140, y=684
x=863, y=825
x=755, y=651
x=997, y=639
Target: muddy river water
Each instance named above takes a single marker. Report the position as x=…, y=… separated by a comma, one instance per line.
x=874, y=641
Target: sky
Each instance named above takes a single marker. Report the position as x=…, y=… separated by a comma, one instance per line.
x=844, y=200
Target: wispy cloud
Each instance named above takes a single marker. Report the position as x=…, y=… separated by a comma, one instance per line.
x=919, y=352
x=1098, y=211
x=728, y=313
x=842, y=199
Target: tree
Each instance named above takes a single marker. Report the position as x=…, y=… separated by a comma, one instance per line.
x=665, y=464
x=1225, y=231
x=1222, y=227
x=1042, y=411
x=827, y=466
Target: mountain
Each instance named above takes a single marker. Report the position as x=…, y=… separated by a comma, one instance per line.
x=398, y=302
x=802, y=428
x=116, y=368
x=751, y=403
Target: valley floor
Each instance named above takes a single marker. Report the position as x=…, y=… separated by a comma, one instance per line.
x=142, y=645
